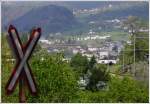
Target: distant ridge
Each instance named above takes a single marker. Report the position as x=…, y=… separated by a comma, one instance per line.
x=51, y=18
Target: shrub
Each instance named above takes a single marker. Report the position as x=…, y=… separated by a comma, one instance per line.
x=127, y=90
x=55, y=80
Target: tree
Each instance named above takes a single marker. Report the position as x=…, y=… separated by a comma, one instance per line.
x=98, y=74
x=55, y=79
x=138, y=50
x=79, y=63
x=141, y=46
x=92, y=62
x=131, y=23
x=141, y=49
x=127, y=90
x=124, y=90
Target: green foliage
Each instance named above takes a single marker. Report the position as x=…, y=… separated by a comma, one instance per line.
x=55, y=80
x=79, y=63
x=141, y=47
x=92, y=97
x=132, y=23
x=98, y=74
x=24, y=37
x=127, y=56
x=139, y=39
x=142, y=23
x=6, y=68
x=92, y=62
x=120, y=91
x=6, y=53
x=127, y=90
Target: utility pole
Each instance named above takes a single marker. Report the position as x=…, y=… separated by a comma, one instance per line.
x=132, y=31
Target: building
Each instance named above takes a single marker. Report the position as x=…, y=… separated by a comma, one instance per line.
x=75, y=51
x=88, y=55
x=108, y=60
x=45, y=41
x=92, y=49
x=82, y=83
x=103, y=54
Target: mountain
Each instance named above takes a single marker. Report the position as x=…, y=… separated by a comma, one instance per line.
x=51, y=18
x=15, y=9
x=58, y=16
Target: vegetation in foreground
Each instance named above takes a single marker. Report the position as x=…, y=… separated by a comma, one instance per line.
x=57, y=80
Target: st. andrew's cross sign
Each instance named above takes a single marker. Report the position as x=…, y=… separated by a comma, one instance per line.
x=22, y=71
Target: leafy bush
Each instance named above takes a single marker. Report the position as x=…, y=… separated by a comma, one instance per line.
x=56, y=82
x=127, y=90
x=98, y=74
x=55, y=79
x=79, y=64
x=92, y=62
x=120, y=90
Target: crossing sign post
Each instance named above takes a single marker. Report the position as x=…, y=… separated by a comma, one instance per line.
x=22, y=71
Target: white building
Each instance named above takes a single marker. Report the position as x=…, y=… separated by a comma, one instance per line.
x=92, y=49
x=82, y=51
x=114, y=20
x=105, y=61
x=88, y=55
x=129, y=42
x=103, y=54
x=66, y=59
x=82, y=83
x=93, y=37
x=75, y=51
x=45, y=41
x=55, y=50
x=143, y=30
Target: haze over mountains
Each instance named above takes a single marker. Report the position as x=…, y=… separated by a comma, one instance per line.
x=59, y=16
x=51, y=18
x=121, y=12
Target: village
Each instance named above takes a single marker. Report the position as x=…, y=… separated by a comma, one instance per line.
x=107, y=53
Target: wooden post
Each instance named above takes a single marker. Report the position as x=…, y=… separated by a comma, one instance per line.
x=22, y=97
